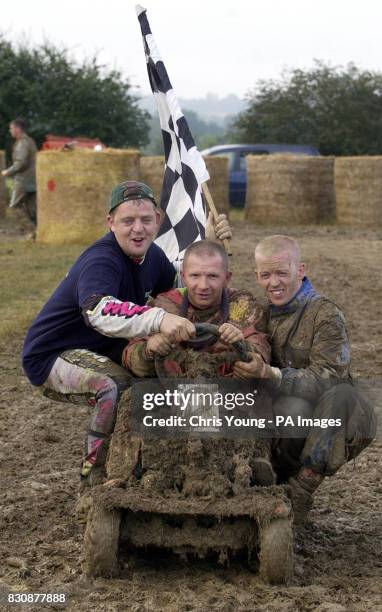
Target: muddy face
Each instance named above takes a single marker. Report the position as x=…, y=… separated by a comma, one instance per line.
x=280, y=276
x=205, y=278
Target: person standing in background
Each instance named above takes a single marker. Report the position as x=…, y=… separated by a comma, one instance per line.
x=23, y=169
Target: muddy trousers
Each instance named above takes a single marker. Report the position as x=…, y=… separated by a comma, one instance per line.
x=81, y=377
x=25, y=200
x=324, y=449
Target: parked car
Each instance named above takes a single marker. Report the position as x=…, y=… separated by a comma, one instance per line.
x=237, y=167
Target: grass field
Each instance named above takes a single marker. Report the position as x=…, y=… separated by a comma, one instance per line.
x=28, y=274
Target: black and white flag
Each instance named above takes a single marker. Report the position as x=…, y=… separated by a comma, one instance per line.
x=185, y=170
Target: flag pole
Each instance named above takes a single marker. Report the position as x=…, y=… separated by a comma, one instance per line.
x=215, y=214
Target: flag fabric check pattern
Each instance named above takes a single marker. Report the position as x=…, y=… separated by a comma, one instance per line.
x=185, y=170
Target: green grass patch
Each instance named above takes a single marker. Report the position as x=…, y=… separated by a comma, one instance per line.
x=29, y=273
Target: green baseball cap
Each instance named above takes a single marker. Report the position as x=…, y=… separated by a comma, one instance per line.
x=129, y=190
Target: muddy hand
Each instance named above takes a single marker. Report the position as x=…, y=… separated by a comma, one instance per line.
x=177, y=328
x=252, y=369
x=229, y=333
x=221, y=230
x=159, y=344
x=256, y=368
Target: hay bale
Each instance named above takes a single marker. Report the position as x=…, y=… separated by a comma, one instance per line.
x=3, y=190
x=358, y=187
x=290, y=189
x=73, y=188
x=151, y=173
x=217, y=166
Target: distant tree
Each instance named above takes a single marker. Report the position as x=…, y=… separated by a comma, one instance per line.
x=206, y=133
x=57, y=95
x=337, y=109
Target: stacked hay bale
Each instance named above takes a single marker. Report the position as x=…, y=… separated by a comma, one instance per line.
x=73, y=188
x=358, y=185
x=152, y=171
x=3, y=191
x=290, y=189
x=217, y=167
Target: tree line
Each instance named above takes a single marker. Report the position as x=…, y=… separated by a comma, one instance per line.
x=337, y=109
x=56, y=95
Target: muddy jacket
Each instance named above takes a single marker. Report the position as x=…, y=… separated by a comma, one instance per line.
x=23, y=169
x=238, y=308
x=309, y=343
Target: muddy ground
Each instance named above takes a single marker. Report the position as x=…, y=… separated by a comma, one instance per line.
x=338, y=556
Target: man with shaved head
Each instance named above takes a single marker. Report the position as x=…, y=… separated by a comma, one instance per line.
x=207, y=298
x=310, y=375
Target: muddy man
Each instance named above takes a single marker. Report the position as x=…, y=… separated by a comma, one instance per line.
x=310, y=374
x=206, y=298
x=73, y=348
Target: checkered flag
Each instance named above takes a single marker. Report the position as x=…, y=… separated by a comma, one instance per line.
x=185, y=170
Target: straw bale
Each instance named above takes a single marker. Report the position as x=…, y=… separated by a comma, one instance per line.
x=73, y=188
x=217, y=166
x=290, y=189
x=358, y=185
x=151, y=173
x=3, y=191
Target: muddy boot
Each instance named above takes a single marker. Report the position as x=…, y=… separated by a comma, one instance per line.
x=91, y=476
x=303, y=486
x=262, y=472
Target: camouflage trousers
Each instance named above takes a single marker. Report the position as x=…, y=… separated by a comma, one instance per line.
x=324, y=449
x=79, y=376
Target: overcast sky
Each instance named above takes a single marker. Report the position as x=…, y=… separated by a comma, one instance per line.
x=217, y=46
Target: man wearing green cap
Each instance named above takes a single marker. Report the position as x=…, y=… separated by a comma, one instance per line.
x=73, y=349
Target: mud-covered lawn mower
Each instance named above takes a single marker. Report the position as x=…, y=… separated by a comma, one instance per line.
x=192, y=494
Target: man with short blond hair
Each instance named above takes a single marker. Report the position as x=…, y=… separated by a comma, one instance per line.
x=278, y=244
x=310, y=374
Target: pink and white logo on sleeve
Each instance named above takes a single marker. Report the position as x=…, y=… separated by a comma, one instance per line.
x=114, y=318
x=123, y=309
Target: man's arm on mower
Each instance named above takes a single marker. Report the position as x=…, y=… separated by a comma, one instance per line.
x=138, y=356
x=136, y=359
x=112, y=317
